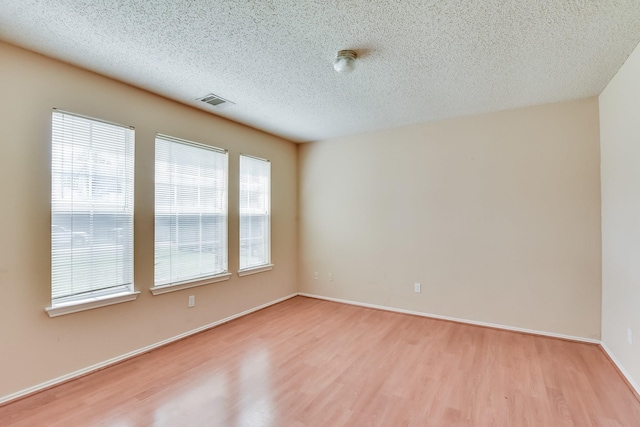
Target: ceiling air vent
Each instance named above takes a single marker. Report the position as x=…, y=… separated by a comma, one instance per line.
x=215, y=101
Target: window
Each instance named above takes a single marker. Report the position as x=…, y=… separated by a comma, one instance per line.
x=190, y=214
x=255, y=215
x=91, y=212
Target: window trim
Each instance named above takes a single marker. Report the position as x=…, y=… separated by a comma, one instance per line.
x=90, y=303
x=100, y=297
x=203, y=280
x=256, y=269
x=192, y=283
x=106, y=122
x=268, y=266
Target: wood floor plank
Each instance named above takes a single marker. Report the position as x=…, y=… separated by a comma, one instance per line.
x=307, y=362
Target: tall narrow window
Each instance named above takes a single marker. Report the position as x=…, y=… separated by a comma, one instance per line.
x=190, y=213
x=91, y=210
x=255, y=214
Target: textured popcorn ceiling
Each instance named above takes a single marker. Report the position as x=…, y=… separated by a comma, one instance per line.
x=419, y=60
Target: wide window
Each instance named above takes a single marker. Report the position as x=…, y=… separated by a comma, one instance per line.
x=91, y=210
x=190, y=213
x=255, y=214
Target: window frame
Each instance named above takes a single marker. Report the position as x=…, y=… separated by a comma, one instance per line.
x=106, y=295
x=159, y=289
x=268, y=264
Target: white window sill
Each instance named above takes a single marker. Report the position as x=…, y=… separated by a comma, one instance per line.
x=254, y=270
x=159, y=290
x=90, y=303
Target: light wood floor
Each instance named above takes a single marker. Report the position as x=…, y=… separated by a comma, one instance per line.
x=307, y=362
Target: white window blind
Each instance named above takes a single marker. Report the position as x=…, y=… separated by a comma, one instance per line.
x=255, y=212
x=190, y=211
x=91, y=208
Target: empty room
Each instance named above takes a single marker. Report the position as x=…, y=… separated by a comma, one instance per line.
x=307, y=213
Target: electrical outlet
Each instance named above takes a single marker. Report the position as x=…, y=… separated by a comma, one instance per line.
x=629, y=336
x=331, y=277
x=417, y=287
x=192, y=301
x=316, y=276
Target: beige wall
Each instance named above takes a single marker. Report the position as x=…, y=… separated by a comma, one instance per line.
x=498, y=216
x=35, y=348
x=620, y=145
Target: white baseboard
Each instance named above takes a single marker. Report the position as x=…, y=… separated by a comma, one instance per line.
x=623, y=371
x=454, y=319
x=107, y=363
